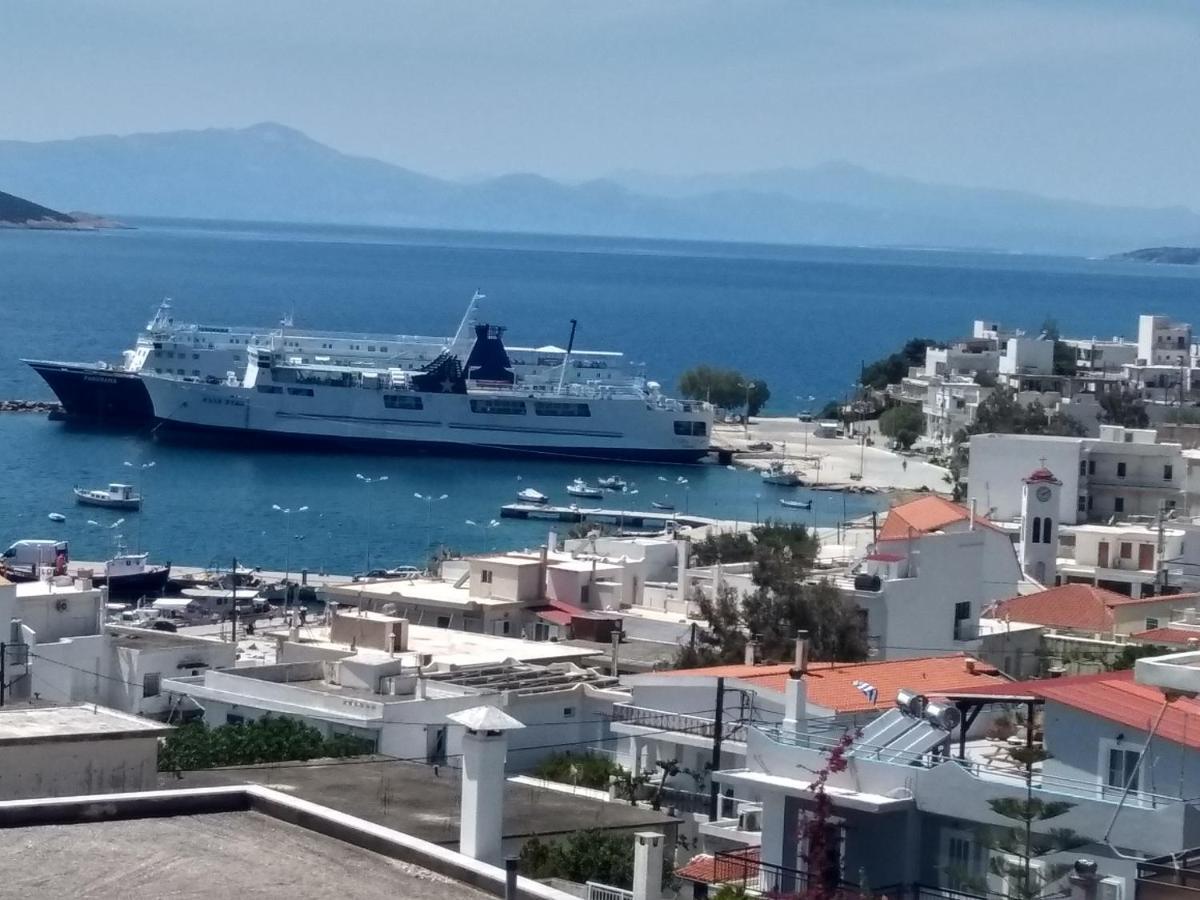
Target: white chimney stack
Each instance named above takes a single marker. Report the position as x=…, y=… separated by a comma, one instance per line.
x=647, y=865
x=481, y=826
x=802, y=652
x=751, y=657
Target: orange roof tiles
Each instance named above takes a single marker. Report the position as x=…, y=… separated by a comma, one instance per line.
x=707, y=869
x=1079, y=606
x=1117, y=697
x=831, y=685
x=1168, y=635
x=922, y=516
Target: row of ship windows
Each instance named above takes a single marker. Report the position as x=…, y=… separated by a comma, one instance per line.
x=690, y=429
x=489, y=406
x=170, y=354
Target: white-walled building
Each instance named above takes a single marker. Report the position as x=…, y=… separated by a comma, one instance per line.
x=67, y=751
x=1122, y=473
x=932, y=571
x=377, y=678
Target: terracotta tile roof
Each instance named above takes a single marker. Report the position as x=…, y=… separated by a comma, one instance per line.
x=924, y=515
x=707, y=869
x=831, y=685
x=1168, y=635
x=1115, y=696
x=1082, y=607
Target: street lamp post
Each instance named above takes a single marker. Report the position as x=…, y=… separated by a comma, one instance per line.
x=429, y=500
x=483, y=526
x=141, y=467
x=287, y=516
x=368, y=482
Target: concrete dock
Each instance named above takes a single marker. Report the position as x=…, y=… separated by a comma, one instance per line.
x=659, y=518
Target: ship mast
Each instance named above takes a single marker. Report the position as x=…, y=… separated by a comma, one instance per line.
x=562, y=376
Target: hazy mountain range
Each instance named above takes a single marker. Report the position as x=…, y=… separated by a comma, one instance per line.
x=271, y=172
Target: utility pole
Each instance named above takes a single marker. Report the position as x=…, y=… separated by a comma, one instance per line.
x=1160, y=569
x=718, y=727
x=233, y=588
x=3, y=673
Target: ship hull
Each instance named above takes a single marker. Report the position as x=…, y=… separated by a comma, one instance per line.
x=348, y=418
x=96, y=394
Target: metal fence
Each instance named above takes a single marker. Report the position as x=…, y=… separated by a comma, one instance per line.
x=597, y=891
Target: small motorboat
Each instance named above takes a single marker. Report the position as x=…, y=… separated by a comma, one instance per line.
x=580, y=488
x=128, y=575
x=662, y=504
x=529, y=495
x=115, y=496
x=795, y=504
x=56, y=517
x=614, y=483
x=780, y=473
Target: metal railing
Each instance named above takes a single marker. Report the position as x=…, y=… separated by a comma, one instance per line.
x=1056, y=784
x=598, y=891
x=661, y=720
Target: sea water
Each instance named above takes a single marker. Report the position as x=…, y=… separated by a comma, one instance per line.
x=803, y=318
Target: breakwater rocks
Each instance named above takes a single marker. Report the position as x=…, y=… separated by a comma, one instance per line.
x=46, y=406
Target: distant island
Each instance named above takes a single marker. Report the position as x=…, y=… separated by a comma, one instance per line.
x=17, y=212
x=1177, y=256
x=269, y=172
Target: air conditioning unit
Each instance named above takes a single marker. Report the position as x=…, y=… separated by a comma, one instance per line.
x=1111, y=887
x=751, y=820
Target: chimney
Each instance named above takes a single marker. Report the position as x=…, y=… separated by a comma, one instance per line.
x=681, y=565
x=647, y=865
x=969, y=665
x=1084, y=880
x=543, y=566
x=795, y=703
x=802, y=651
x=751, y=657
x=481, y=832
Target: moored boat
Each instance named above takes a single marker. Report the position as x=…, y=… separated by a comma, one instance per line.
x=529, y=495
x=580, y=488
x=613, y=483
x=781, y=474
x=115, y=496
x=795, y=504
x=662, y=504
x=128, y=575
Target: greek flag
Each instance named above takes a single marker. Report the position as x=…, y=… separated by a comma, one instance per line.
x=869, y=690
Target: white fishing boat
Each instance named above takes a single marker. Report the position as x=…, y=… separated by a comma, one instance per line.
x=580, y=488
x=529, y=495
x=795, y=504
x=662, y=504
x=781, y=474
x=613, y=483
x=115, y=496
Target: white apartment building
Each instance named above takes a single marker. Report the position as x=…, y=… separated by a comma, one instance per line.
x=1165, y=368
x=1099, y=355
x=377, y=678
x=1121, y=473
x=950, y=405
x=930, y=574
x=911, y=804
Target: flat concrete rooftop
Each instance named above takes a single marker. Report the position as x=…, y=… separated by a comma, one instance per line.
x=409, y=797
x=43, y=724
x=230, y=854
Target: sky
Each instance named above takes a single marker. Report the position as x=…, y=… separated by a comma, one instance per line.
x=1094, y=100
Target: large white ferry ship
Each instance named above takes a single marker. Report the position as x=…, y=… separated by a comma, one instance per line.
x=480, y=406
x=114, y=393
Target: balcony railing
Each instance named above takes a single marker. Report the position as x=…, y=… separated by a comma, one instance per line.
x=660, y=720
x=1055, y=784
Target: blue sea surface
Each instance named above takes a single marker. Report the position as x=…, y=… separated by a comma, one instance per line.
x=803, y=318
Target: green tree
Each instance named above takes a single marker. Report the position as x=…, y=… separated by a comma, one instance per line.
x=1002, y=413
x=892, y=368
x=1016, y=847
x=904, y=423
x=584, y=856
x=724, y=547
x=726, y=388
x=1123, y=408
x=1131, y=653
x=583, y=769
x=1065, y=362
x=269, y=739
